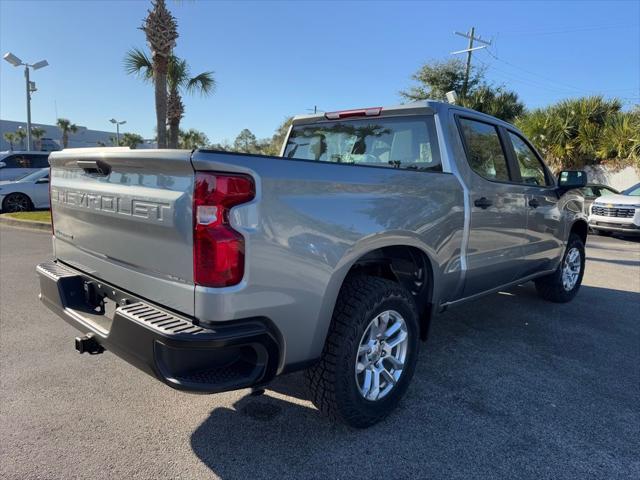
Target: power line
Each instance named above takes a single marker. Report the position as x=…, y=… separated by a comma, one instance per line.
x=570, y=87
x=569, y=30
x=526, y=81
x=512, y=77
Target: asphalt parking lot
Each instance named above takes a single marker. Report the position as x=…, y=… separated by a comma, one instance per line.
x=507, y=387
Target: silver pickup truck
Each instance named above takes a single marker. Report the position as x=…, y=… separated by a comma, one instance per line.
x=216, y=271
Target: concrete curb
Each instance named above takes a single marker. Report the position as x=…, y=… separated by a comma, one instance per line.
x=30, y=224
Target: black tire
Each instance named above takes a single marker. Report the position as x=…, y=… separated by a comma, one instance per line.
x=17, y=202
x=551, y=287
x=332, y=381
x=602, y=233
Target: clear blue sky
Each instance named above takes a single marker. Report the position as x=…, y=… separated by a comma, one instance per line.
x=274, y=59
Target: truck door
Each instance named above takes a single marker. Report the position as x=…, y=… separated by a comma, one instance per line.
x=544, y=218
x=498, y=209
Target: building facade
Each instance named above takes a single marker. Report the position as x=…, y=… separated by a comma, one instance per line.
x=52, y=139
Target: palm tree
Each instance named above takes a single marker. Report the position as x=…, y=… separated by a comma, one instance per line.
x=66, y=127
x=583, y=131
x=10, y=137
x=131, y=140
x=38, y=133
x=192, y=139
x=179, y=80
x=161, y=30
x=20, y=136
x=498, y=102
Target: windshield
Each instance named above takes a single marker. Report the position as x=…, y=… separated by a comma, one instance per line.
x=633, y=191
x=32, y=176
x=382, y=142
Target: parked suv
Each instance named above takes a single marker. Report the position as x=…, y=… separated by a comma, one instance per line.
x=216, y=271
x=14, y=165
x=617, y=213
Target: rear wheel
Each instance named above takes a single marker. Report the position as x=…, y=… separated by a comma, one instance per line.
x=17, y=202
x=563, y=284
x=370, y=352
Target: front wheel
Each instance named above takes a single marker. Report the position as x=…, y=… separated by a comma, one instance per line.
x=370, y=353
x=17, y=202
x=563, y=284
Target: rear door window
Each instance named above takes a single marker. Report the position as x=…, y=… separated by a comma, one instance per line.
x=39, y=161
x=405, y=143
x=484, y=150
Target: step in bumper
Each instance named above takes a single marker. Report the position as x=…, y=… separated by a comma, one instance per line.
x=168, y=346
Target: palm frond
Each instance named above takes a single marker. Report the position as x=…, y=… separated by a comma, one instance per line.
x=137, y=62
x=204, y=83
x=177, y=73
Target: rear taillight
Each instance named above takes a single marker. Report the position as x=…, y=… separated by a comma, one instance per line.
x=218, y=250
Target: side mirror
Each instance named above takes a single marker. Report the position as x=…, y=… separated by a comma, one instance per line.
x=570, y=179
x=42, y=180
x=2, y=164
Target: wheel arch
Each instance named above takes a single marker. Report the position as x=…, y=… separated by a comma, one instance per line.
x=389, y=260
x=581, y=228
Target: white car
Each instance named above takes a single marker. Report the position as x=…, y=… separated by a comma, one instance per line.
x=617, y=213
x=27, y=193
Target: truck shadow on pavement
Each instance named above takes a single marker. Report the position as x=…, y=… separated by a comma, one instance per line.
x=509, y=386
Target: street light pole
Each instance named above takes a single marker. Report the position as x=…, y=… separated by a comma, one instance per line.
x=26, y=76
x=16, y=62
x=117, y=124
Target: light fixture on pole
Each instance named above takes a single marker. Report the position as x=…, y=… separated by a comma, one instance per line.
x=31, y=86
x=117, y=124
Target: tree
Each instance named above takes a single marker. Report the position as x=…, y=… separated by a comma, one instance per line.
x=246, y=142
x=20, y=136
x=192, y=139
x=10, y=137
x=223, y=146
x=179, y=80
x=131, y=140
x=66, y=127
x=437, y=78
x=583, y=131
x=161, y=30
x=38, y=133
x=498, y=102
x=278, y=138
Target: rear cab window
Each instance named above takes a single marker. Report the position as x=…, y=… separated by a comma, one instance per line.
x=393, y=142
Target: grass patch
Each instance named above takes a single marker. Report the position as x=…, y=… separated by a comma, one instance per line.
x=41, y=216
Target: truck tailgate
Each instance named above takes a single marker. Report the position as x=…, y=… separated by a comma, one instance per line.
x=125, y=217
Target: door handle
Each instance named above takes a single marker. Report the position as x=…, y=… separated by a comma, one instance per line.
x=483, y=203
x=534, y=203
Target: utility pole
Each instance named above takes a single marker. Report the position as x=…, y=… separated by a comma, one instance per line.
x=471, y=36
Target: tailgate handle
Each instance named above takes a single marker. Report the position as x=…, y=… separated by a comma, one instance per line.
x=96, y=167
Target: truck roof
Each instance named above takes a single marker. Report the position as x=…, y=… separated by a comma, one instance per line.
x=412, y=108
